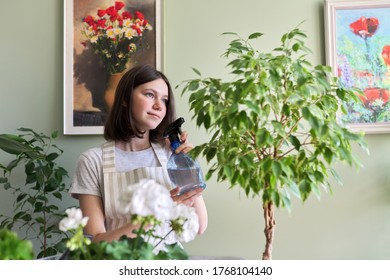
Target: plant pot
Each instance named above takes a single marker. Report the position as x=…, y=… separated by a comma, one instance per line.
x=109, y=93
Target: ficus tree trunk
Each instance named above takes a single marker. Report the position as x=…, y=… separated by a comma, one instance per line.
x=269, y=218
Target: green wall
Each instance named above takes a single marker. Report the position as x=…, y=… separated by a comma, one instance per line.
x=352, y=223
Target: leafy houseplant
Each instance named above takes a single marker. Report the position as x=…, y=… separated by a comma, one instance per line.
x=14, y=248
x=34, y=211
x=161, y=224
x=276, y=127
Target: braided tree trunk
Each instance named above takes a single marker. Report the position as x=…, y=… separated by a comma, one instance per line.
x=269, y=218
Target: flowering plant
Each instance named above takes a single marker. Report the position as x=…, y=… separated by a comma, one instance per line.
x=114, y=35
x=162, y=224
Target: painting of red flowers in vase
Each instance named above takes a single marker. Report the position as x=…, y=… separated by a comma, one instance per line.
x=360, y=57
x=104, y=39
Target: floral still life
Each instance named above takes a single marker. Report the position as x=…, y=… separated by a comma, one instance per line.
x=363, y=63
x=162, y=226
x=115, y=35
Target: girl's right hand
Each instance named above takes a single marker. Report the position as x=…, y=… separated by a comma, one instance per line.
x=187, y=198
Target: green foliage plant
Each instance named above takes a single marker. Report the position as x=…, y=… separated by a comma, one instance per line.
x=14, y=248
x=275, y=125
x=125, y=249
x=35, y=212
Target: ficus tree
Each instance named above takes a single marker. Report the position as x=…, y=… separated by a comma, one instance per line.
x=275, y=127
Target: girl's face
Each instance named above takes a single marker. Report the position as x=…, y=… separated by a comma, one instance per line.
x=149, y=102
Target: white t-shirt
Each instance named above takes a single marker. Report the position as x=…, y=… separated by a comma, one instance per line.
x=88, y=177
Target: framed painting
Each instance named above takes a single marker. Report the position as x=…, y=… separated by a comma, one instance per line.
x=358, y=50
x=102, y=40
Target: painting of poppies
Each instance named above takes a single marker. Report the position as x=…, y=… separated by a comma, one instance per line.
x=358, y=50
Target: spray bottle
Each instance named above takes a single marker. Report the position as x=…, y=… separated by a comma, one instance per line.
x=183, y=171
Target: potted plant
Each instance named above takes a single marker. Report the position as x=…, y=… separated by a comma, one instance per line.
x=35, y=212
x=162, y=223
x=276, y=126
x=14, y=248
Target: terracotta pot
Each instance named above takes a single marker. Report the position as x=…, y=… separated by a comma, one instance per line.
x=109, y=93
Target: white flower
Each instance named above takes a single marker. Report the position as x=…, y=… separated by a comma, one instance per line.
x=110, y=33
x=130, y=33
x=148, y=198
x=94, y=39
x=74, y=219
x=89, y=32
x=127, y=23
x=165, y=232
x=183, y=227
x=117, y=31
x=148, y=27
x=185, y=223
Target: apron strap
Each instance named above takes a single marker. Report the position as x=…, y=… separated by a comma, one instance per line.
x=160, y=153
x=108, y=157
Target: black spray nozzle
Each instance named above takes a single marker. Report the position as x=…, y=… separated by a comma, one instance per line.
x=174, y=130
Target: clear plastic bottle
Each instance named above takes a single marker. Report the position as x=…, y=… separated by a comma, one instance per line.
x=183, y=171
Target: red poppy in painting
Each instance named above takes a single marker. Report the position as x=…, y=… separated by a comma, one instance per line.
x=386, y=54
x=373, y=94
x=364, y=27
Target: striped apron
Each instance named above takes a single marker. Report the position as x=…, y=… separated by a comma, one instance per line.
x=116, y=182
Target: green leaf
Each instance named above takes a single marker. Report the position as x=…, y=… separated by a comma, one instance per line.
x=263, y=137
x=286, y=200
x=9, y=144
x=252, y=107
x=295, y=142
x=228, y=171
x=304, y=189
x=52, y=156
x=255, y=35
x=295, y=189
x=211, y=153
x=194, y=85
x=196, y=71
x=279, y=128
x=20, y=197
x=276, y=168
x=229, y=33
x=266, y=164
